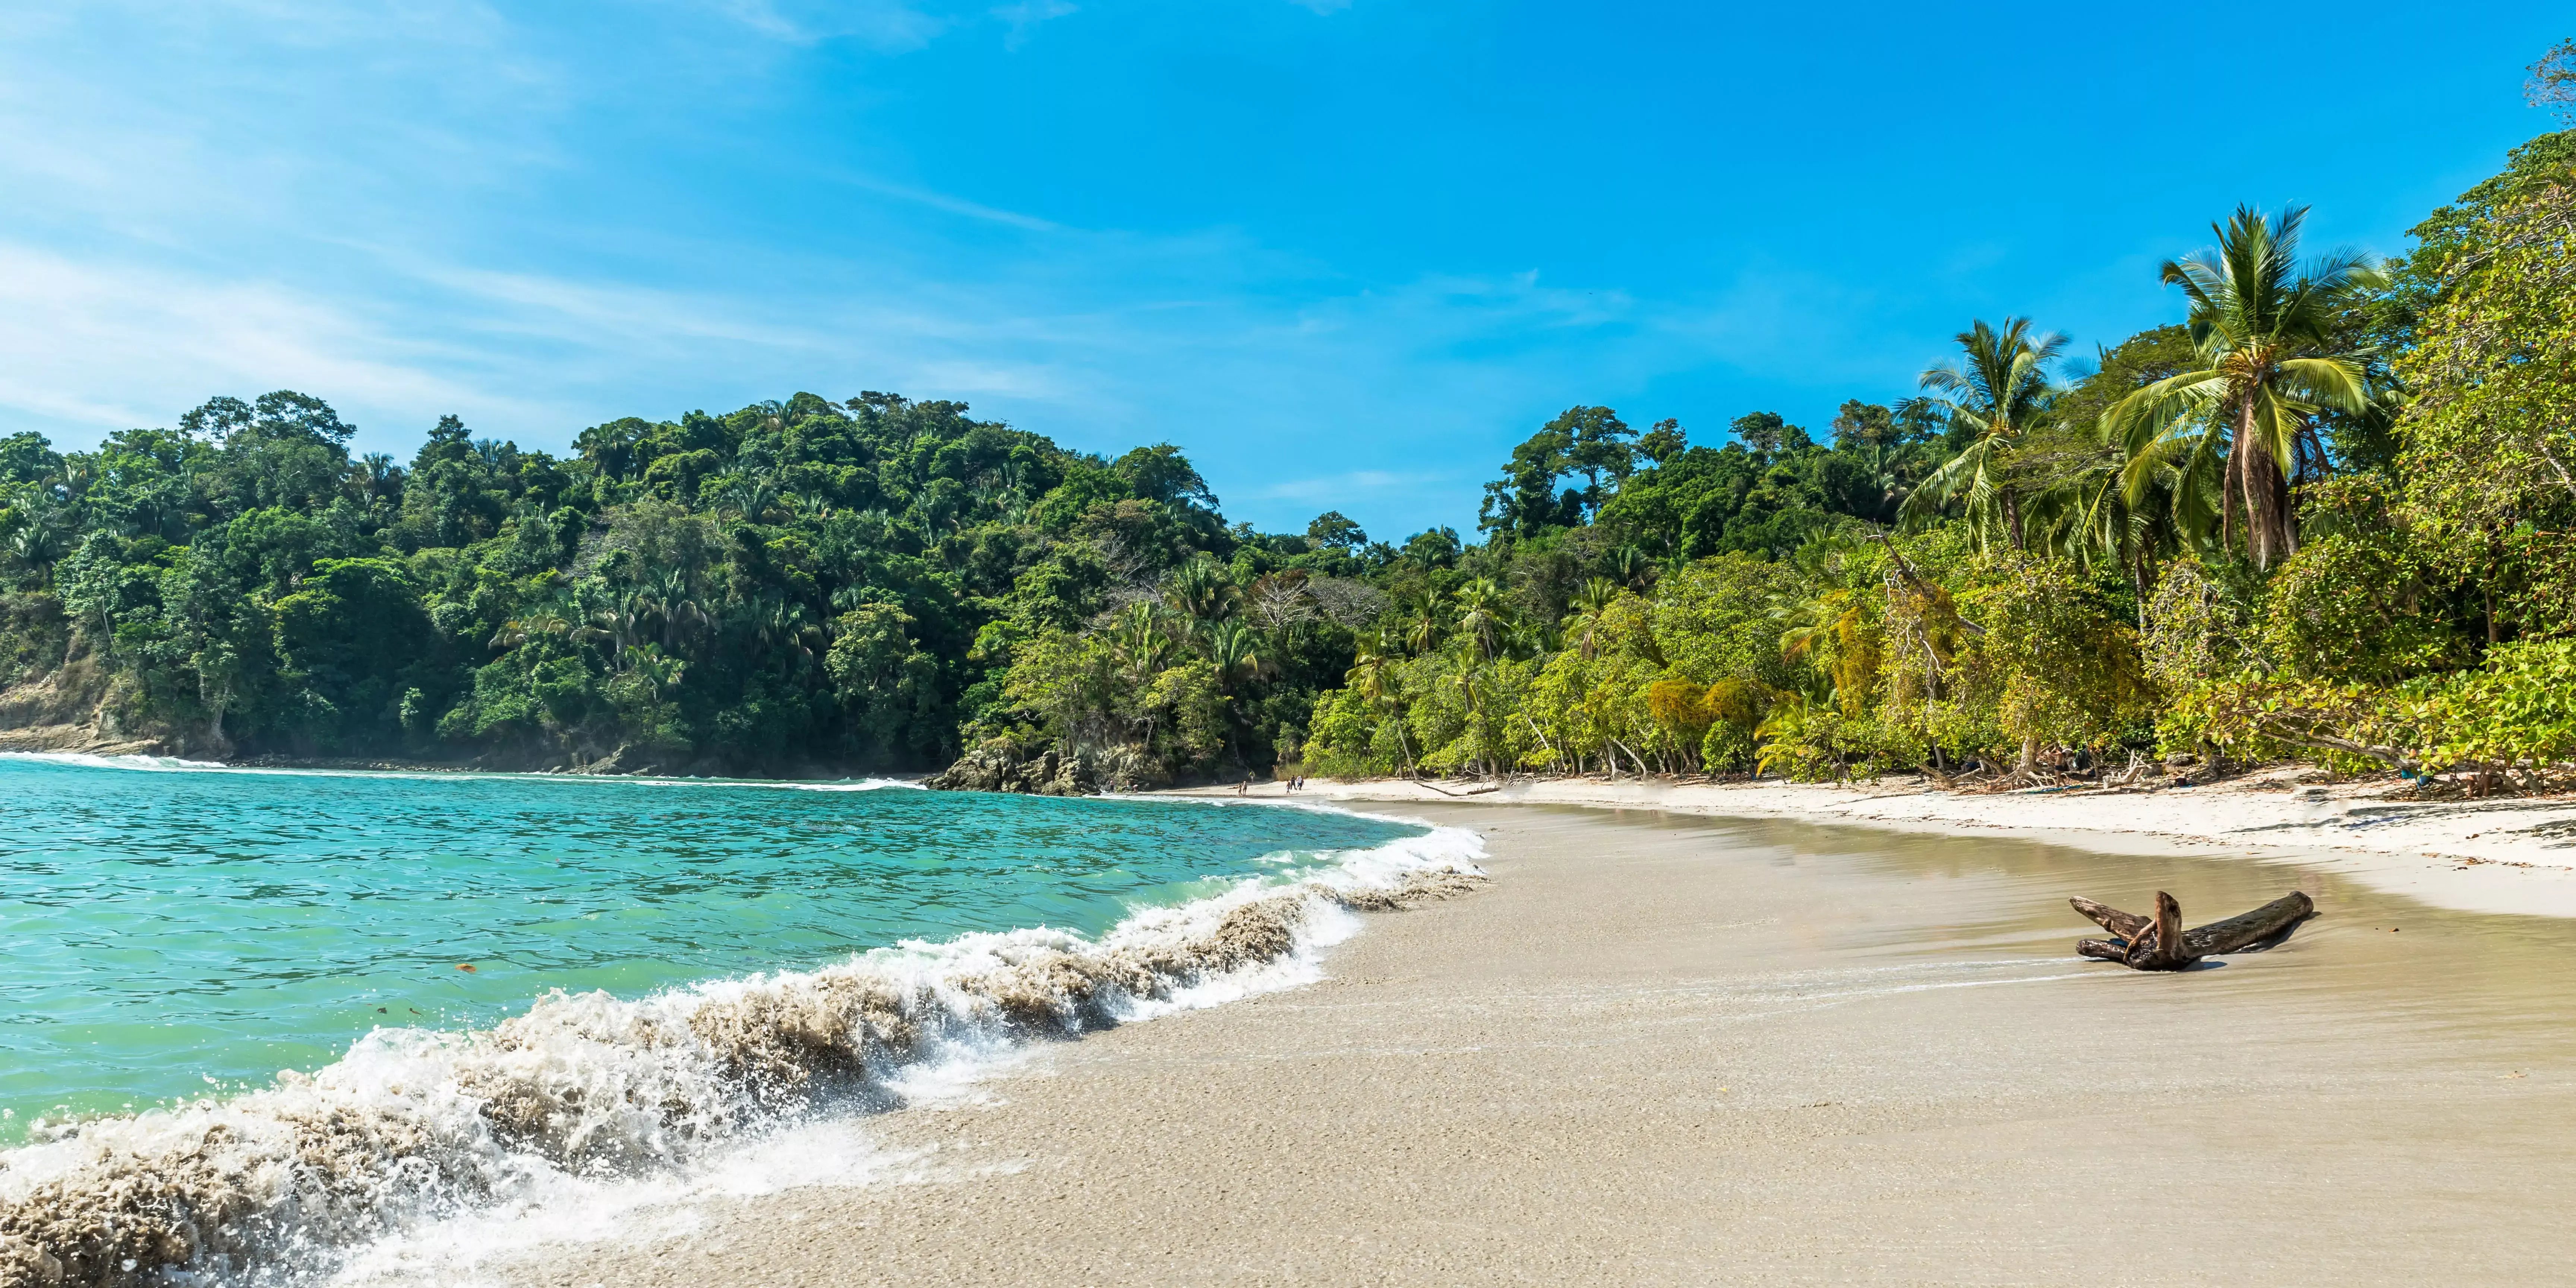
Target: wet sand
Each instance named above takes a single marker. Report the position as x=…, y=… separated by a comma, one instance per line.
x=2501, y=854
x=1672, y=1050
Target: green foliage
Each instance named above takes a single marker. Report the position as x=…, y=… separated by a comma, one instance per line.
x=2332, y=514
x=2274, y=353
x=792, y=584
x=2063, y=665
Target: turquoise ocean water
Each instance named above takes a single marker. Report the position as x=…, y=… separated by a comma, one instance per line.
x=168, y=928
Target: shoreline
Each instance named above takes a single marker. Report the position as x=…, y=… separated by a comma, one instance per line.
x=2498, y=855
x=664, y=1080
x=2506, y=854
x=1672, y=1049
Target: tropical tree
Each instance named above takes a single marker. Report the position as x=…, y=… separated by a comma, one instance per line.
x=1140, y=640
x=1583, y=625
x=655, y=671
x=1375, y=677
x=1485, y=616
x=1235, y=650
x=1199, y=589
x=1998, y=389
x=1425, y=620
x=2268, y=336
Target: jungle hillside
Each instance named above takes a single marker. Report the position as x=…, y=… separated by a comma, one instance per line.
x=2328, y=513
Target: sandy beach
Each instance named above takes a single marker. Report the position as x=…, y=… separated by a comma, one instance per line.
x=1670, y=1049
x=2502, y=854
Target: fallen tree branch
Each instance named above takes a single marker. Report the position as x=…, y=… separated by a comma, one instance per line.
x=2309, y=738
x=1478, y=791
x=2160, y=943
x=1905, y=569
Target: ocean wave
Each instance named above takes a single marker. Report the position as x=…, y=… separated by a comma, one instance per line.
x=280, y=1184
x=86, y=760
x=178, y=764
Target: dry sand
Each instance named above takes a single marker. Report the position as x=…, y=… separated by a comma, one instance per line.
x=2504, y=854
x=1670, y=1050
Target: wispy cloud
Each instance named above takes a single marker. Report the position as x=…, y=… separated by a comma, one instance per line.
x=1026, y=16
x=886, y=25
x=952, y=205
x=107, y=346
x=1341, y=487
x=438, y=242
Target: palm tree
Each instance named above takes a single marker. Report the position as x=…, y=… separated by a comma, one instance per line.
x=2267, y=334
x=672, y=604
x=647, y=663
x=1138, y=638
x=39, y=543
x=750, y=498
x=1997, y=392
x=1199, y=589
x=1583, y=625
x=1629, y=567
x=1236, y=651
x=1487, y=617
x=1373, y=677
x=786, y=626
x=520, y=630
x=1424, y=623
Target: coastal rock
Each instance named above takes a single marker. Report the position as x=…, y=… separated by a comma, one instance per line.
x=999, y=765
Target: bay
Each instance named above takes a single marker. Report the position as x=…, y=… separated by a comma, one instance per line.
x=173, y=930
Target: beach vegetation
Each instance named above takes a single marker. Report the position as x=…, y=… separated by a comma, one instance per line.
x=2327, y=512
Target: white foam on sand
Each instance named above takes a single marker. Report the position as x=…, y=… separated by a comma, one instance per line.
x=422, y=1155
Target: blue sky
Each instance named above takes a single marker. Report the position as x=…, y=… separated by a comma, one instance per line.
x=1344, y=252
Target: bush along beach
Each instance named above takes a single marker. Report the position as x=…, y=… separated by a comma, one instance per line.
x=2325, y=516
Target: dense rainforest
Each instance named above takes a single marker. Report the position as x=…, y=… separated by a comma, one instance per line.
x=2328, y=514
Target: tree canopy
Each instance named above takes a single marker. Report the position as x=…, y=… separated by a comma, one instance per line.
x=2326, y=512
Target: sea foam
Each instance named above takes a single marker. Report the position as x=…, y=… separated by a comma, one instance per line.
x=284, y=1183
x=89, y=761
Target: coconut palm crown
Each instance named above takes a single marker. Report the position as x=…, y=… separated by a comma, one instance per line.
x=1998, y=390
x=2267, y=332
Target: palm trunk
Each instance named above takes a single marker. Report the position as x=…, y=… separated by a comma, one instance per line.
x=2268, y=534
x=2138, y=583
x=2227, y=496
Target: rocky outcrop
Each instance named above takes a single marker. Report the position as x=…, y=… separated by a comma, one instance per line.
x=78, y=706
x=1001, y=765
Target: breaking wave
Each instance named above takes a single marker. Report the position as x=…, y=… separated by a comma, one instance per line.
x=281, y=1184
x=89, y=761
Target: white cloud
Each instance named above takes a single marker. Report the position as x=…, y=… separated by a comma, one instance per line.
x=1341, y=487
x=197, y=226
x=1026, y=16
x=881, y=24
x=952, y=205
x=110, y=346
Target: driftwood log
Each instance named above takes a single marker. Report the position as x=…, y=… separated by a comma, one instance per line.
x=1472, y=791
x=2160, y=943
